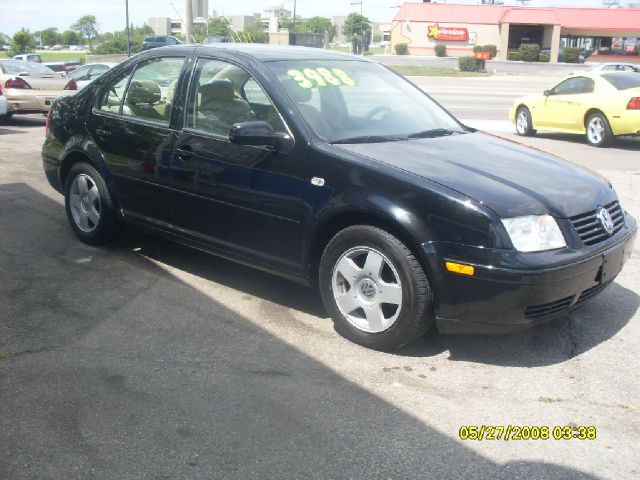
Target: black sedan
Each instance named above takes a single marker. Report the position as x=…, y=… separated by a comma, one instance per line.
x=331, y=170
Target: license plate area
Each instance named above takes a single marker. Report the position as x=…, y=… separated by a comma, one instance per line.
x=612, y=263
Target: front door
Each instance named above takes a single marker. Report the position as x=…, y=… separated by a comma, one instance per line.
x=241, y=199
x=561, y=107
x=132, y=128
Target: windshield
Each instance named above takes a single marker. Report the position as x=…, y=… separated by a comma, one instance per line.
x=346, y=101
x=14, y=67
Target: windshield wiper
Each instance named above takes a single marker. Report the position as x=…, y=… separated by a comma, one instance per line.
x=434, y=132
x=370, y=139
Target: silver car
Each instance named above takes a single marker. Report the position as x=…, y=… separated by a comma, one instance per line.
x=84, y=75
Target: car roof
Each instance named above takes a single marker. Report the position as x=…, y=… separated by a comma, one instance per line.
x=261, y=52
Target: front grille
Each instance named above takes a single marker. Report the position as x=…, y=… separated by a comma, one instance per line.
x=590, y=292
x=589, y=228
x=548, y=309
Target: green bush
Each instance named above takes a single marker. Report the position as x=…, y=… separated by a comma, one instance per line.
x=529, y=52
x=492, y=49
x=441, y=50
x=515, y=56
x=543, y=58
x=401, y=49
x=571, y=55
x=468, y=64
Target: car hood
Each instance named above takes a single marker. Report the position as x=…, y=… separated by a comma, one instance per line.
x=509, y=178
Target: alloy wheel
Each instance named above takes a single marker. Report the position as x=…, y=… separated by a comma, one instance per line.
x=84, y=201
x=367, y=289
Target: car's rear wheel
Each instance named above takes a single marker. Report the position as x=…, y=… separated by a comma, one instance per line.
x=599, y=132
x=524, y=122
x=374, y=288
x=89, y=205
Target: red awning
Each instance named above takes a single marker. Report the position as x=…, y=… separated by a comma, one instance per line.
x=576, y=18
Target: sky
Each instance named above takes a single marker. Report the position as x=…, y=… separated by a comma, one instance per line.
x=41, y=14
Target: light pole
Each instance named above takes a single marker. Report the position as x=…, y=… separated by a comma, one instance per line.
x=126, y=7
x=361, y=27
x=294, y=16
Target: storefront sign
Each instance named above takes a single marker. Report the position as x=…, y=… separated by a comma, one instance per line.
x=630, y=45
x=456, y=34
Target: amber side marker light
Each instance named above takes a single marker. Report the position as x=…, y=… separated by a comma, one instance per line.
x=460, y=268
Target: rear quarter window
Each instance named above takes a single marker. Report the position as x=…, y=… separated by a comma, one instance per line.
x=623, y=82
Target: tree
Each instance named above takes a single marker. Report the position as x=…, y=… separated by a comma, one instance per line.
x=219, y=27
x=86, y=27
x=49, y=36
x=69, y=37
x=5, y=39
x=216, y=27
x=355, y=24
x=321, y=25
x=22, y=42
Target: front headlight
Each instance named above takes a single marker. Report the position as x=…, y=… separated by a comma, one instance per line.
x=534, y=233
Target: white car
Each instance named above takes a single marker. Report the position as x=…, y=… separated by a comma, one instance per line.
x=84, y=75
x=614, y=67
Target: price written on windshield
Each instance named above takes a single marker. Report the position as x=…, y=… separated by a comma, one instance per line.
x=321, y=77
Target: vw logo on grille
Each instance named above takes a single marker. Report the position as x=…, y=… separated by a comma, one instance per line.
x=604, y=217
x=368, y=289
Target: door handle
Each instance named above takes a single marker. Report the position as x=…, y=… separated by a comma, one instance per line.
x=185, y=152
x=103, y=133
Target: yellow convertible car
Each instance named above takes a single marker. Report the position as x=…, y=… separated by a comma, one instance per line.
x=602, y=106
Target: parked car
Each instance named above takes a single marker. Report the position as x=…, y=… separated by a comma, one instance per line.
x=30, y=87
x=64, y=67
x=84, y=75
x=159, y=41
x=219, y=39
x=614, y=67
x=602, y=106
x=28, y=57
x=331, y=170
x=582, y=55
x=4, y=105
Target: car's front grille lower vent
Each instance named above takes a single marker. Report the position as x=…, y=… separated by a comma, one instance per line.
x=591, y=230
x=590, y=292
x=548, y=309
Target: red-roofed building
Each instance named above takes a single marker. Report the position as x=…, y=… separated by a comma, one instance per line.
x=606, y=32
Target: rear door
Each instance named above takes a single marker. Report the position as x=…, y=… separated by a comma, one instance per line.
x=242, y=199
x=133, y=126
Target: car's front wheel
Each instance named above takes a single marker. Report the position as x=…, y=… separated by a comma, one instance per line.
x=89, y=205
x=599, y=132
x=374, y=288
x=524, y=122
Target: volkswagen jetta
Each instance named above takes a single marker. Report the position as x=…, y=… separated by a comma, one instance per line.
x=331, y=170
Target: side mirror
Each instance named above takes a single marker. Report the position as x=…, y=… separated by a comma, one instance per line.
x=258, y=132
x=546, y=93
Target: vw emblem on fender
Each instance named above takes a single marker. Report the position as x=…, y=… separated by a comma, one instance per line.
x=368, y=289
x=605, y=220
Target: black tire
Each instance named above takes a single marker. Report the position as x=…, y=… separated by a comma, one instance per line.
x=524, y=122
x=107, y=226
x=415, y=314
x=605, y=136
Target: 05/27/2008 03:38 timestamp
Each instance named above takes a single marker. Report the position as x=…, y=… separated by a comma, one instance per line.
x=526, y=432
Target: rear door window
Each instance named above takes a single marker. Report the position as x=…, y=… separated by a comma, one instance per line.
x=152, y=88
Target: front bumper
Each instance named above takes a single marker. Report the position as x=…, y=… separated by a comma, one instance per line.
x=500, y=299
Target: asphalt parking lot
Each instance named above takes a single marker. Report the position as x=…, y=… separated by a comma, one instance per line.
x=145, y=359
